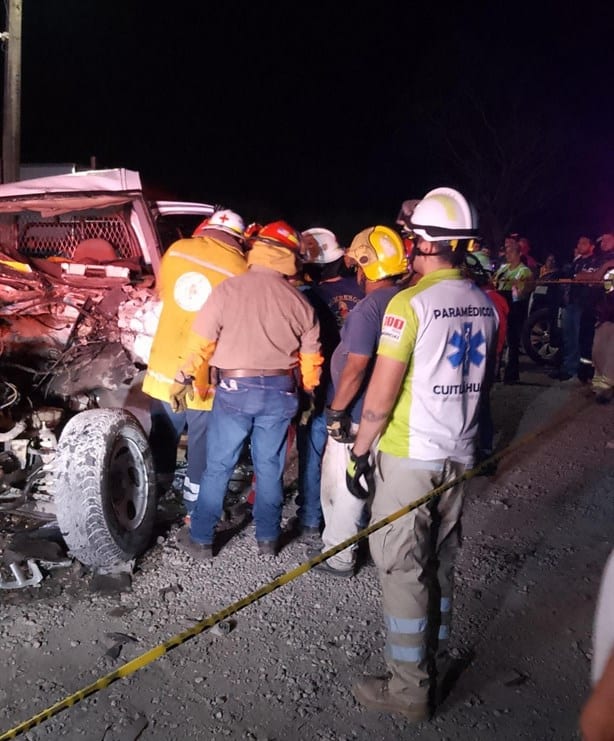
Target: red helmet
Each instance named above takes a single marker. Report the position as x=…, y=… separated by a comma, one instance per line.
x=409, y=244
x=279, y=234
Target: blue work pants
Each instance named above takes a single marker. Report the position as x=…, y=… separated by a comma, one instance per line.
x=310, y=444
x=166, y=429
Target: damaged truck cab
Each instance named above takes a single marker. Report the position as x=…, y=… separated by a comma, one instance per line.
x=79, y=255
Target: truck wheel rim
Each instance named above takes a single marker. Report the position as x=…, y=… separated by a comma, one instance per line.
x=128, y=484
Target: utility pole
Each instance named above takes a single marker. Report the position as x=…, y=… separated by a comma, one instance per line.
x=11, y=118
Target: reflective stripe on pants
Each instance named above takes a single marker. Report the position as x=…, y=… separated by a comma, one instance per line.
x=415, y=556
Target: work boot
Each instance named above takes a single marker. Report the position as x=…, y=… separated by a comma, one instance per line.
x=372, y=692
x=326, y=568
x=488, y=468
x=199, y=551
x=603, y=396
x=560, y=375
x=449, y=665
x=586, y=373
x=267, y=547
x=295, y=528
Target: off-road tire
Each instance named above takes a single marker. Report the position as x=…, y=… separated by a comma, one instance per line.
x=104, y=490
x=538, y=338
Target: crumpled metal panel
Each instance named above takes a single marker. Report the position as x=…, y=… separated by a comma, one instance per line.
x=138, y=320
x=85, y=338
x=88, y=367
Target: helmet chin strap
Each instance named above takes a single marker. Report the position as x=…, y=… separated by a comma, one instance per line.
x=418, y=252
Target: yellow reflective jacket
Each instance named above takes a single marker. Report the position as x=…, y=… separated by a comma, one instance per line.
x=189, y=271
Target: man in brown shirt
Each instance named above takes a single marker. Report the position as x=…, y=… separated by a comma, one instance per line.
x=262, y=335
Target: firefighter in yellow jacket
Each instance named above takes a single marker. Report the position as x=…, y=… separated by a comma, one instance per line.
x=190, y=269
x=263, y=337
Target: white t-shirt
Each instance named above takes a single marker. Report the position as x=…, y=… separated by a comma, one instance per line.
x=603, y=634
x=444, y=328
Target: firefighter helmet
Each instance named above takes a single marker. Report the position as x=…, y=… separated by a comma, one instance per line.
x=380, y=252
x=325, y=246
x=279, y=234
x=407, y=209
x=480, y=257
x=225, y=221
x=477, y=266
x=443, y=214
x=251, y=230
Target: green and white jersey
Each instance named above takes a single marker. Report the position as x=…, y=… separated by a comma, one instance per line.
x=445, y=329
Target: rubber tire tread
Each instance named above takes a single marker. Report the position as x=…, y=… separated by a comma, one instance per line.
x=80, y=487
x=538, y=316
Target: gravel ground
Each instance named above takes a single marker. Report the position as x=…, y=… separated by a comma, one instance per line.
x=536, y=537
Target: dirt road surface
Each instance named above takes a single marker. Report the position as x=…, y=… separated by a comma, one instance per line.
x=536, y=538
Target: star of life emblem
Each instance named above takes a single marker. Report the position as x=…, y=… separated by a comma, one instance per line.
x=466, y=346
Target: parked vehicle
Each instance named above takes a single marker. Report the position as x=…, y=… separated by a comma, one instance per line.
x=542, y=338
x=79, y=255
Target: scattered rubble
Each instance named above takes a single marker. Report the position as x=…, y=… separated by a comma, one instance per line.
x=536, y=537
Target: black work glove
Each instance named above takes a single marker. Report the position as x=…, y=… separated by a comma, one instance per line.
x=307, y=409
x=339, y=425
x=360, y=466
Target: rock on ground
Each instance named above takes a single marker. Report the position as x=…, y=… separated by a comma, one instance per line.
x=536, y=538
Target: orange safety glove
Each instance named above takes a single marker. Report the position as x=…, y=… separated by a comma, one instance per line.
x=198, y=352
x=311, y=368
x=181, y=391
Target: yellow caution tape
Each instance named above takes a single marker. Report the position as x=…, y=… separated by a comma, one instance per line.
x=150, y=656
x=569, y=281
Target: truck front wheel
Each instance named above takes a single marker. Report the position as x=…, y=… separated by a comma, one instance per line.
x=105, y=492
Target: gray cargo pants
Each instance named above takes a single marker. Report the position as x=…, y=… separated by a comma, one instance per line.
x=415, y=556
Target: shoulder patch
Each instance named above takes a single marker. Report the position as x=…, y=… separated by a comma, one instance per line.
x=393, y=326
x=191, y=290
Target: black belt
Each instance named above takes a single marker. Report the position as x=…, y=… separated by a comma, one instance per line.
x=251, y=372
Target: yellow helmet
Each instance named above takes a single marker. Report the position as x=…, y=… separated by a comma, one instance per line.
x=380, y=252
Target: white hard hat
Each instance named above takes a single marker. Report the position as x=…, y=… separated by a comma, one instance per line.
x=224, y=221
x=443, y=214
x=328, y=247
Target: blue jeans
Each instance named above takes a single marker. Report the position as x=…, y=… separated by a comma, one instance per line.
x=515, y=322
x=571, y=338
x=261, y=408
x=166, y=429
x=310, y=444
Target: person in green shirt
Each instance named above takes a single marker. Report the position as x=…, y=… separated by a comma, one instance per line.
x=514, y=280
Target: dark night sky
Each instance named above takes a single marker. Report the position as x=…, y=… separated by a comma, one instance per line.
x=320, y=112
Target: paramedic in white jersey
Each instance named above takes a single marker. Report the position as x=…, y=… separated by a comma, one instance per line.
x=438, y=339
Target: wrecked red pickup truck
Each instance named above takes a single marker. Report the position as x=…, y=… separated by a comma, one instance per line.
x=79, y=255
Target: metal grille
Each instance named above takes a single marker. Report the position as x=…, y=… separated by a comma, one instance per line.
x=56, y=238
